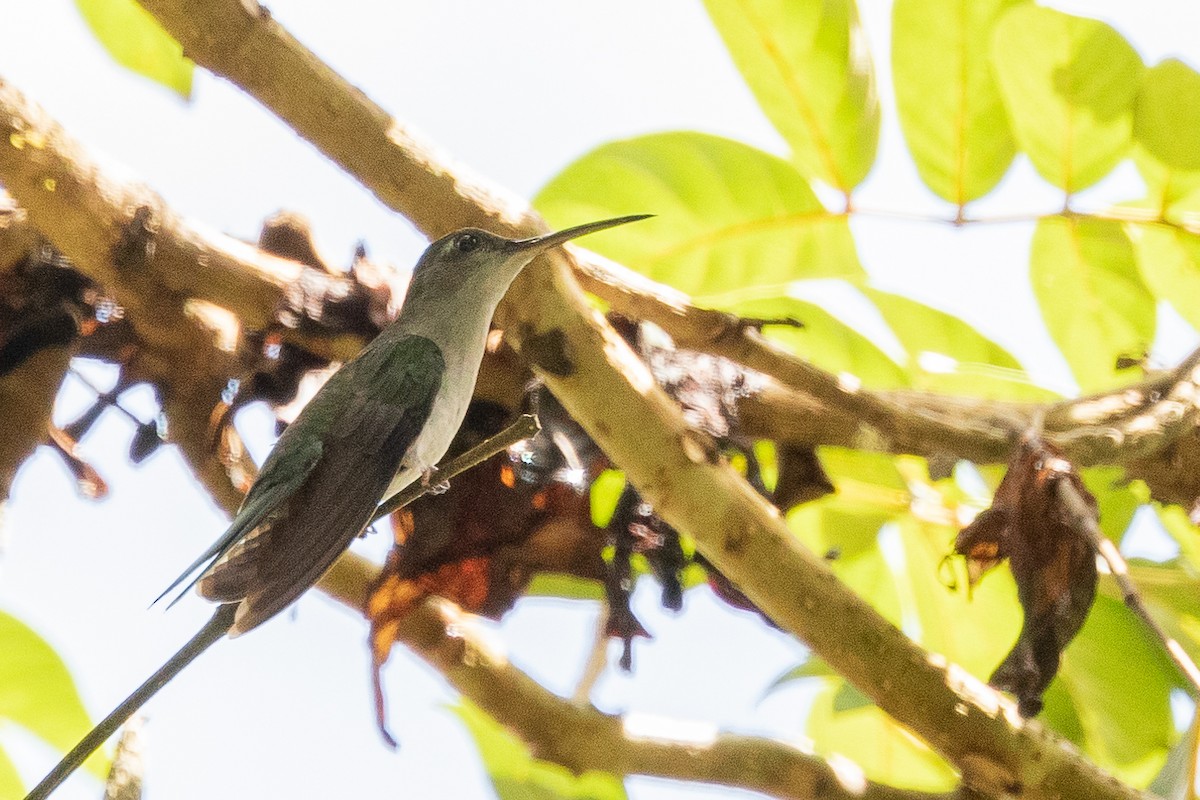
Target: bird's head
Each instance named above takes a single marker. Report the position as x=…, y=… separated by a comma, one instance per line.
x=476, y=259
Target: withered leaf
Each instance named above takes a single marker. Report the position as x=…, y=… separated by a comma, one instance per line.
x=146, y=441
x=529, y=510
x=801, y=477
x=1051, y=559
x=480, y=542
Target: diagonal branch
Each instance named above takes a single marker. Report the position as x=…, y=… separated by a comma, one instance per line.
x=581, y=738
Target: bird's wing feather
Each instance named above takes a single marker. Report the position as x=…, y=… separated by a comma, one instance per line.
x=272, y=488
x=362, y=450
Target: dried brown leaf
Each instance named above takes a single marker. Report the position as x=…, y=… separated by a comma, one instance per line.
x=1051, y=559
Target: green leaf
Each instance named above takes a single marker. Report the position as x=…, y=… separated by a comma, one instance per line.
x=1171, y=586
x=37, y=693
x=1171, y=591
x=1166, y=187
x=1174, y=781
x=1117, y=499
x=870, y=492
x=1060, y=714
x=809, y=68
x=517, y=775
x=135, y=40
x=729, y=216
x=1167, y=114
x=849, y=468
x=812, y=667
x=946, y=354
x=850, y=530
x=972, y=628
x=870, y=738
x=1092, y=298
x=1120, y=681
x=948, y=101
x=11, y=784
x=825, y=341
x=560, y=584
x=1168, y=259
x=604, y=494
x=848, y=698
x=1177, y=525
x=1069, y=85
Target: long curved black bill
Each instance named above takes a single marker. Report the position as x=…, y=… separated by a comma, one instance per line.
x=548, y=240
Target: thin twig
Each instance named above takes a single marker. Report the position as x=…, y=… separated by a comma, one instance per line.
x=526, y=425
x=597, y=660
x=109, y=397
x=1086, y=522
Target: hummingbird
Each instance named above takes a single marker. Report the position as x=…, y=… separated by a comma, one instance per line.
x=380, y=423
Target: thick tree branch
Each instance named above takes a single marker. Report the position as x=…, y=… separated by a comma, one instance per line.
x=613, y=396
x=105, y=225
x=581, y=738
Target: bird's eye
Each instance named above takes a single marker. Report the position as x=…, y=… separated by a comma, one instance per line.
x=467, y=243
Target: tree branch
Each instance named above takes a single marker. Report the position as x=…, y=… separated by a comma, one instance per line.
x=611, y=393
x=581, y=738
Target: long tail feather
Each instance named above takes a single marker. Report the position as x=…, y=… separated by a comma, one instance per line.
x=213, y=630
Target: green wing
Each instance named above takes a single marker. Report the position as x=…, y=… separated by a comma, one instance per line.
x=371, y=422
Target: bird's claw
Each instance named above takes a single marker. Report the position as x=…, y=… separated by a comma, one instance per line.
x=429, y=485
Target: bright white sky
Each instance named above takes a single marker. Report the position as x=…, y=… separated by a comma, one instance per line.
x=516, y=90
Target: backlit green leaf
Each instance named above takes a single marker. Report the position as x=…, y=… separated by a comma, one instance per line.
x=848, y=468
x=1175, y=522
x=871, y=739
x=1092, y=297
x=1166, y=186
x=1171, y=593
x=1167, y=116
x=517, y=775
x=559, y=584
x=808, y=66
x=825, y=341
x=604, y=494
x=1069, y=85
x=37, y=693
x=1116, y=499
x=730, y=217
x=813, y=667
x=11, y=784
x=135, y=40
x=1168, y=259
x=975, y=628
x=1120, y=680
x=945, y=354
x=947, y=99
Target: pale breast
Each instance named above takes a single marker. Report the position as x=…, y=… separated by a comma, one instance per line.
x=445, y=417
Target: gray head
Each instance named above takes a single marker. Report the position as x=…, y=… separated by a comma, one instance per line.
x=481, y=265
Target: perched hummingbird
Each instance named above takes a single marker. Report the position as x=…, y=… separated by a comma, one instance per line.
x=381, y=422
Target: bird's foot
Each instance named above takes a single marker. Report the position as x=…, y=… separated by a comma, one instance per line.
x=430, y=483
